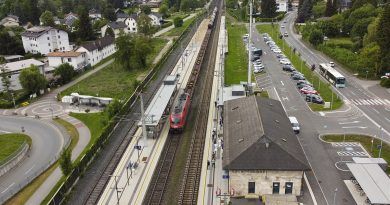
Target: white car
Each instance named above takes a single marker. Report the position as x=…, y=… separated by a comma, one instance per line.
x=277, y=51
x=332, y=64
x=282, y=26
x=285, y=62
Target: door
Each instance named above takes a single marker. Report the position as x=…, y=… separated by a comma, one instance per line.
x=289, y=187
x=275, y=188
x=251, y=187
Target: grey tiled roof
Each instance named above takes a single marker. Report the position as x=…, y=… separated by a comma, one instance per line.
x=99, y=43
x=258, y=136
x=36, y=31
x=117, y=25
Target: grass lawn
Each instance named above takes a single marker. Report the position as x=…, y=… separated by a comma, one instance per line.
x=366, y=142
x=177, y=14
x=340, y=41
x=179, y=30
x=114, y=81
x=29, y=190
x=323, y=87
x=236, y=62
x=94, y=121
x=10, y=143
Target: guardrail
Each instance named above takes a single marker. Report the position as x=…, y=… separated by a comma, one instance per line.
x=9, y=162
x=89, y=156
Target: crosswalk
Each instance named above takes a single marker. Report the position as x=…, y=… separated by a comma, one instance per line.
x=352, y=154
x=345, y=144
x=362, y=101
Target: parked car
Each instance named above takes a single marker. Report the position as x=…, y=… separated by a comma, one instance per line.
x=332, y=64
x=294, y=124
x=285, y=34
x=288, y=68
x=302, y=85
x=281, y=56
x=284, y=61
x=308, y=90
x=314, y=99
x=298, y=77
x=296, y=73
x=303, y=82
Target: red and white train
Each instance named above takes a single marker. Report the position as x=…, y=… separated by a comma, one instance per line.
x=178, y=117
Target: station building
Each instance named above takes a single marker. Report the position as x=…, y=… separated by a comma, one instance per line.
x=262, y=154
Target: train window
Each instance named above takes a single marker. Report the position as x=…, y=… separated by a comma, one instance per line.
x=176, y=120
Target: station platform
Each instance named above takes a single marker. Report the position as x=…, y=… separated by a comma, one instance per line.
x=128, y=184
x=213, y=186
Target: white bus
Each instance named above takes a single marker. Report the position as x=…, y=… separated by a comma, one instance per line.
x=332, y=75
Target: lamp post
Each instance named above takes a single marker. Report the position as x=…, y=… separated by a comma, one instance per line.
x=334, y=196
x=380, y=148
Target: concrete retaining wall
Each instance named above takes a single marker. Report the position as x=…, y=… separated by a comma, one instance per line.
x=14, y=160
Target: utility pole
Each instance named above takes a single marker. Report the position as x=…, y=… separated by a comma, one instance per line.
x=143, y=119
x=380, y=149
x=249, y=85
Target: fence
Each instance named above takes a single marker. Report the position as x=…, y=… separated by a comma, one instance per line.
x=70, y=181
x=17, y=187
x=13, y=159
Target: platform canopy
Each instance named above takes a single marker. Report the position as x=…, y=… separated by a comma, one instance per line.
x=373, y=180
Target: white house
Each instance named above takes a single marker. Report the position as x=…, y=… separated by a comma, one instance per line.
x=94, y=14
x=262, y=155
x=116, y=27
x=281, y=6
x=76, y=59
x=131, y=23
x=156, y=18
x=13, y=70
x=98, y=50
x=10, y=21
x=44, y=40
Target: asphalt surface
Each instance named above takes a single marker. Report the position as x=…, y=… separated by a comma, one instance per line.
x=124, y=129
x=354, y=93
x=324, y=177
x=47, y=142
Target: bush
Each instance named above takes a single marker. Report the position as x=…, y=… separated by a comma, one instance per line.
x=178, y=22
x=167, y=24
x=316, y=37
x=385, y=82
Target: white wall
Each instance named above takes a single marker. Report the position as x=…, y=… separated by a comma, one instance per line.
x=95, y=56
x=14, y=78
x=281, y=6
x=155, y=20
x=77, y=62
x=131, y=25
x=48, y=42
x=263, y=179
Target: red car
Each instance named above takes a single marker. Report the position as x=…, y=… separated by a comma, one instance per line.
x=308, y=90
x=177, y=119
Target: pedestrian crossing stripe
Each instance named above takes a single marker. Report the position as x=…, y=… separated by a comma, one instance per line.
x=369, y=101
x=345, y=144
x=353, y=154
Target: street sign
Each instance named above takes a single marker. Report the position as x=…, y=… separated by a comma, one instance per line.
x=225, y=176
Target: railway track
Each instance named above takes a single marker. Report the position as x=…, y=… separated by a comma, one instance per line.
x=160, y=178
x=104, y=176
x=190, y=183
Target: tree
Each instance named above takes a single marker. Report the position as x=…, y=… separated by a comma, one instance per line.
x=370, y=57
x=65, y=71
x=109, y=13
x=145, y=9
x=5, y=80
x=329, y=10
x=47, y=5
x=319, y=9
x=132, y=51
x=178, y=21
x=47, y=18
x=110, y=32
x=329, y=28
x=383, y=38
x=10, y=45
x=371, y=35
x=305, y=11
x=268, y=8
x=67, y=6
x=66, y=162
x=144, y=24
x=186, y=5
x=316, y=37
x=363, y=12
x=113, y=108
x=32, y=80
x=116, y=3
x=85, y=31
x=232, y=4
x=359, y=29
x=163, y=10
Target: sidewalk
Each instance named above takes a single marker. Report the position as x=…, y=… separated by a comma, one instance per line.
x=164, y=30
x=51, y=181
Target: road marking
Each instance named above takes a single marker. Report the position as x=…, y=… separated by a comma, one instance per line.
x=352, y=93
x=8, y=188
x=354, y=127
x=388, y=102
x=387, y=119
x=29, y=170
x=322, y=113
x=285, y=98
x=3, y=131
x=376, y=110
x=282, y=83
x=344, y=123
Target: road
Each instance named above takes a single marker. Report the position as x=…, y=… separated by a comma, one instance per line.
x=325, y=177
x=47, y=142
x=374, y=107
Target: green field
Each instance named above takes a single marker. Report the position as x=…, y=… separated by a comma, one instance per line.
x=10, y=143
x=114, y=81
x=323, y=87
x=179, y=30
x=236, y=62
x=366, y=142
x=94, y=121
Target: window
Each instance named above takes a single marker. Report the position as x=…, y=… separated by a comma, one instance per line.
x=49, y=50
x=59, y=36
x=69, y=59
x=48, y=38
x=48, y=44
x=289, y=188
x=251, y=187
x=275, y=187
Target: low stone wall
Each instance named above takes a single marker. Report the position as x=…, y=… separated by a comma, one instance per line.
x=14, y=160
